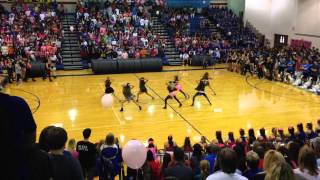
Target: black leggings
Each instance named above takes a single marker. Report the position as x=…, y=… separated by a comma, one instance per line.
x=246, y=69
x=314, y=78
x=170, y=97
x=18, y=77
x=200, y=94
x=260, y=73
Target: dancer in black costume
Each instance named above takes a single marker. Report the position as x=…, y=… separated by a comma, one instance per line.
x=108, y=88
x=203, y=83
x=128, y=95
x=206, y=77
x=143, y=88
x=172, y=94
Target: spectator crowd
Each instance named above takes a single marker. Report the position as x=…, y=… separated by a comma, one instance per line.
x=232, y=28
x=279, y=156
x=297, y=66
x=117, y=30
x=29, y=33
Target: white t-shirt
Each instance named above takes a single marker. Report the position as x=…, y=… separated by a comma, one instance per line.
x=117, y=11
x=86, y=15
x=185, y=56
x=141, y=22
x=146, y=22
x=221, y=175
x=53, y=58
x=42, y=16
x=94, y=21
x=27, y=13
x=4, y=50
x=58, y=43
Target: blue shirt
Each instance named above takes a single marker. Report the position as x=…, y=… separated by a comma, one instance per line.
x=250, y=173
x=211, y=158
x=305, y=67
x=290, y=65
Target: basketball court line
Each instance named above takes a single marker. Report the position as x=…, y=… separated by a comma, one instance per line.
x=255, y=86
x=172, y=70
x=179, y=114
x=216, y=97
x=119, y=119
x=37, y=100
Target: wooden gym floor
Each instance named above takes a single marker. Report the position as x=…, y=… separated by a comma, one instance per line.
x=73, y=102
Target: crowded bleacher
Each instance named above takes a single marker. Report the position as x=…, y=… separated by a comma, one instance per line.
x=30, y=33
x=117, y=30
x=122, y=30
x=232, y=28
x=297, y=66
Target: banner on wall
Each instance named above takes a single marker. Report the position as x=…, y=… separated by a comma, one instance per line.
x=188, y=3
x=295, y=43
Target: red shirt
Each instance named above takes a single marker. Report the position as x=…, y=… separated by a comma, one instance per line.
x=137, y=54
x=155, y=167
x=260, y=164
x=298, y=63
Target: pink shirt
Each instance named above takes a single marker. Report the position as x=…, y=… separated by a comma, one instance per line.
x=124, y=55
x=74, y=154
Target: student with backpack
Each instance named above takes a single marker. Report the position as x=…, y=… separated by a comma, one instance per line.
x=109, y=160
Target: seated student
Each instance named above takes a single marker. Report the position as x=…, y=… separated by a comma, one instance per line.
x=187, y=147
x=151, y=167
x=301, y=134
x=211, y=156
x=279, y=171
x=305, y=69
x=228, y=164
x=252, y=161
x=178, y=169
x=170, y=144
x=271, y=158
x=308, y=168
x=315, y=144
x=63, y=167
x=205, y=170
x=291, y=66
x=310, y=134
x=18, y=133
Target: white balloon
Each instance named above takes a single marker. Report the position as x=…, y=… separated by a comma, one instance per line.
x=107, y=100
x=134, y=154
x=71, y=28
